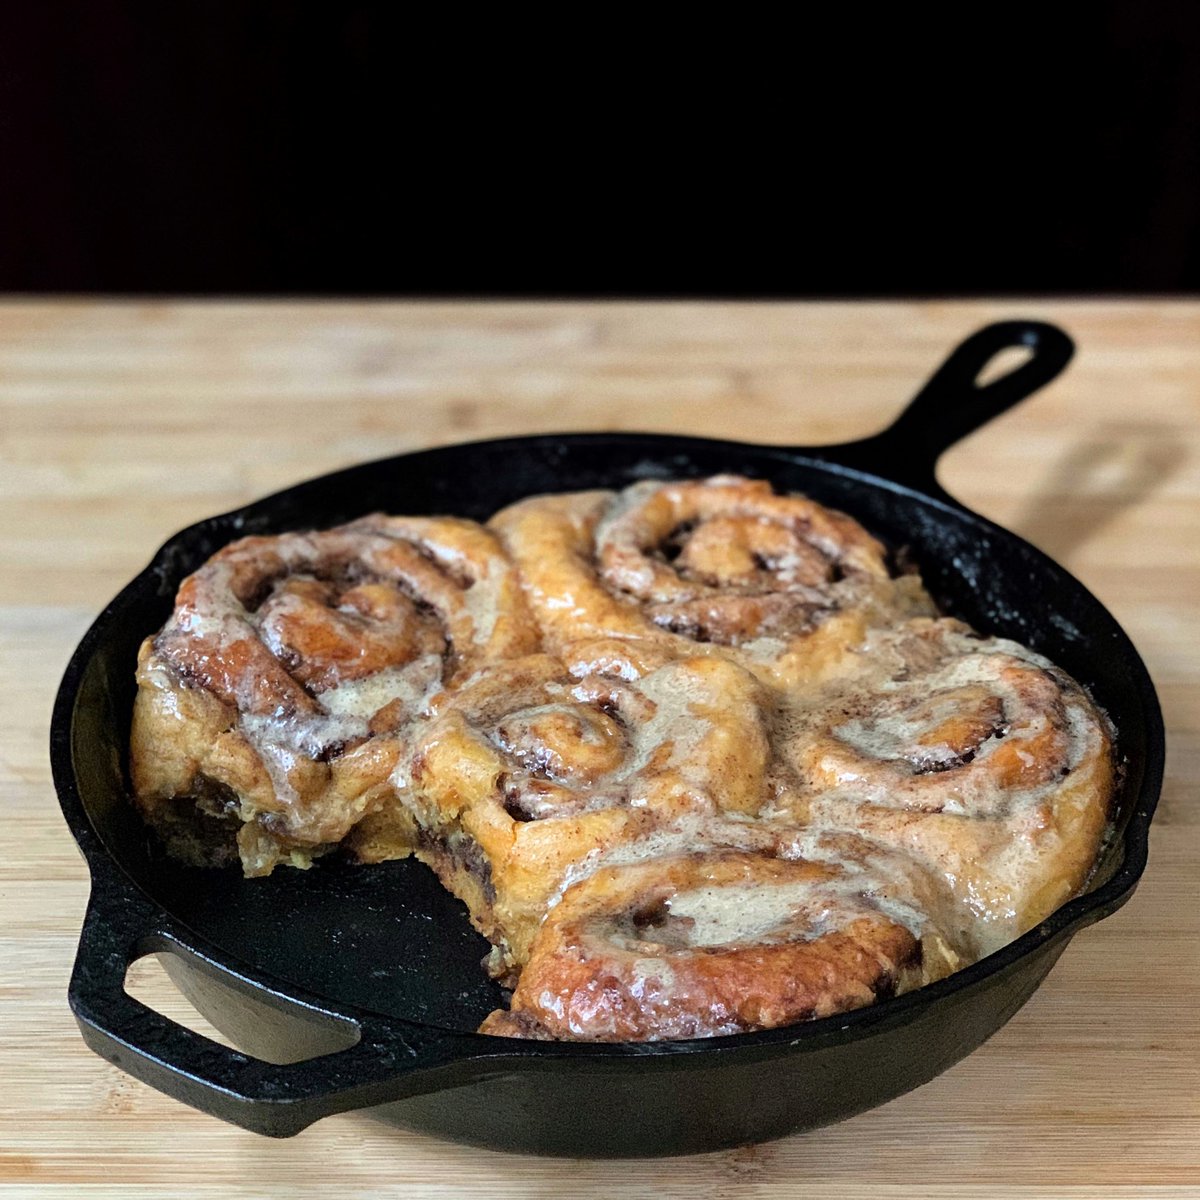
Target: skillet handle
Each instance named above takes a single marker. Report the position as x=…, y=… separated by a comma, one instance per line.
x=389, y=1059
x=952, y=404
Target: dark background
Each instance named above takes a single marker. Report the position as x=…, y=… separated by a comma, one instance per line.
x=254, y=148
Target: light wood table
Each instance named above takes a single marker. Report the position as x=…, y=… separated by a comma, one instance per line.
x=120, y=423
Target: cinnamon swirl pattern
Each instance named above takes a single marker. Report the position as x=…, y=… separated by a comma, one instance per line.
x=706, y=944
x=975, y=755
x=526, y=775
x=778, y=583
x=268, y=706
x=694, y=757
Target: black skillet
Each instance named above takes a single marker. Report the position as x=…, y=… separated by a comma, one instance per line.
x=359, y=987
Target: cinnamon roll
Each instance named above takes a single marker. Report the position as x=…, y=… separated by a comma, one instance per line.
x=267, y=706
x=779, y=583
x=528, y=775
x=975, y=754
x=706, y=944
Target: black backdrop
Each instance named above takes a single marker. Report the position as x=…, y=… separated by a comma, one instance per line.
x=252, y=147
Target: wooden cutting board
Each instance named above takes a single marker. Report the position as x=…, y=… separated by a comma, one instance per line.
x=120, y=423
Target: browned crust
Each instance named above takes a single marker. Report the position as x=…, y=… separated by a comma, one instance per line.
x=586, y=978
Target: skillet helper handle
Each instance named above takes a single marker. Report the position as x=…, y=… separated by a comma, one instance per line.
x=388, y=1061
x=954, y=404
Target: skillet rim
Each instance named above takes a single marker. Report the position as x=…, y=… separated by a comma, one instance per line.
x=1091, y=906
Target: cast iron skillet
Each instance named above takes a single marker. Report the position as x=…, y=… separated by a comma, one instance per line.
x=359, y=987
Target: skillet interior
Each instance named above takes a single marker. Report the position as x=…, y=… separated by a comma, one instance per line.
x=388, y=939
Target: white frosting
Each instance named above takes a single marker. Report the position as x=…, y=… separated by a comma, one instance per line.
x=413, y=684
x=480, y=602
x=763, y=913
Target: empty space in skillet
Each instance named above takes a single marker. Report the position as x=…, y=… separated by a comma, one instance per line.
x=388, y=938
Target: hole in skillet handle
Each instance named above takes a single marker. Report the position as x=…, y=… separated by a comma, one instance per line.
x=374, y=1062
x=954, y=403
x=176, y=986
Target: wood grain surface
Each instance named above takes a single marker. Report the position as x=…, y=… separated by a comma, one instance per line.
x=120, y=423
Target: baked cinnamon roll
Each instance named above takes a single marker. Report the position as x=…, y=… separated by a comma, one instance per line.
x=779, y=583
x=718, y=943
x=528, y=775
x=975, y=754
x=267, y=705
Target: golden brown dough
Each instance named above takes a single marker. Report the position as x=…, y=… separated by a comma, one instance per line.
x=706, y=944
x=527, y=773
x=723, y=565
x=268, y=705
x=976, y=755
